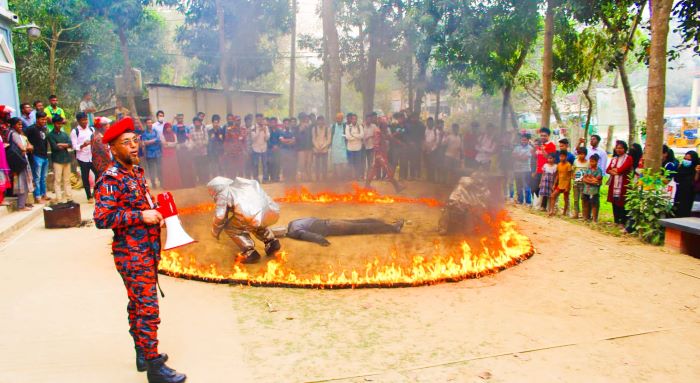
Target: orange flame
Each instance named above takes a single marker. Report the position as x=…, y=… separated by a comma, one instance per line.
x=448, y=264
x=359, y=195
x=303, y=195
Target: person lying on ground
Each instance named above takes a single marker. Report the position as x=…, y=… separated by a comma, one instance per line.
x=316, y=230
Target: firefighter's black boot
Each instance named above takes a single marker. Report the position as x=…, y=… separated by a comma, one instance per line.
x=158, y=372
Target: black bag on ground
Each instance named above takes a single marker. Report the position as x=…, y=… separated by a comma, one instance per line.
x=15, y=158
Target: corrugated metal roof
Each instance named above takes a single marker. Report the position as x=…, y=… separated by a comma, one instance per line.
x=259, y=92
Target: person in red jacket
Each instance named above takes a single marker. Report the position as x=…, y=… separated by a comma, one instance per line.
x=543, y=151
x=619, y=169
x=124, y=204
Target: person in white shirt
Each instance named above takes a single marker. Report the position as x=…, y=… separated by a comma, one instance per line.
x=321, y=137
x=453, y=153
x=354, y=134
x=259, y=135
x=80, y=138
x=596, y=149
x=431, y=141
x=88, y=107
x=159, y=123
x=370, y=128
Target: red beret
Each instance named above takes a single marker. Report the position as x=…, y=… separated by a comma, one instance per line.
x=124, y=125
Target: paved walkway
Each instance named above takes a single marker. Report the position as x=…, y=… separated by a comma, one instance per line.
x=63, y=315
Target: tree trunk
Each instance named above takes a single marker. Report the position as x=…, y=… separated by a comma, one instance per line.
x=586, y=128
x=420, y=87
x=557, y=115
x=629, y=99
x=52, y=65
x=513, y=116
x=326, y=79
x=609, y=139
x=547, y=64
x=505, y=106
x=656, y=91
x=223, y=52
x=437, y=105
x=293, y=59
x=409, y=68
x=331, y=34
x=589, y=99
x=370, y=82
x=128, y=74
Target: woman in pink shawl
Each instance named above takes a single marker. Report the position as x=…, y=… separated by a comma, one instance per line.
x=619, y=169
x=4, y=173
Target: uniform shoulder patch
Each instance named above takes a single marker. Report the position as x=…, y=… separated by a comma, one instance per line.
x=112, y=171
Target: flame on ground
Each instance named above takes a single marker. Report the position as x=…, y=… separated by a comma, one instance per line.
x=359, y=195
x=448, y=265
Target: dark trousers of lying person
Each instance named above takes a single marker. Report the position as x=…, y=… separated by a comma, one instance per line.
x=316, y=230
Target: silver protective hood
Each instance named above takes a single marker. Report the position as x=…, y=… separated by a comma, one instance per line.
x=248, y=204
x=469, y=193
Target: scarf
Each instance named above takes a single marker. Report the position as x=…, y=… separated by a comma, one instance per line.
x=618, y=179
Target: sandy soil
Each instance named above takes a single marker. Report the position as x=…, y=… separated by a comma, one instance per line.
x=348, y=253
x=586, y=308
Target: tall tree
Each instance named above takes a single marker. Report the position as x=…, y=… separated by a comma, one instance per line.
x=59, y=21
x=547, y=64
x=486, y=44
x=660, y=14
x=621, y=19
x=293, y=58
x=330, y=34
x=235, y=41
x=125, y=15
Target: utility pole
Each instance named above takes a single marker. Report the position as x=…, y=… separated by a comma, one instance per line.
x=293, y=59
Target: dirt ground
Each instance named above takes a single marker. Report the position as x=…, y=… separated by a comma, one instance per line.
x=586, y=308
x=419, y=237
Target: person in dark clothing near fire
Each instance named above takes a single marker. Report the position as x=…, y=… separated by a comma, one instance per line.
x=316, y=230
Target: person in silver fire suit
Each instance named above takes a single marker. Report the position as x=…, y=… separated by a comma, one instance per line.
x=243, y=208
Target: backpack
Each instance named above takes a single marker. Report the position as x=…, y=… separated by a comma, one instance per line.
x=77, y=131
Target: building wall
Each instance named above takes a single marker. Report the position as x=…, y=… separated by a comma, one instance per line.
x=182, y=100
x=8, y=81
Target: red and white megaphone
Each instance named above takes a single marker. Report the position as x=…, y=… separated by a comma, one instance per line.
x=176, y=236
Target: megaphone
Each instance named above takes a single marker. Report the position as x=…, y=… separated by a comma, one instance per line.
x=176, y=236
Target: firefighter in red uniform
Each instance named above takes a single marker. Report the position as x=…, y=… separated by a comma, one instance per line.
x=124, y=204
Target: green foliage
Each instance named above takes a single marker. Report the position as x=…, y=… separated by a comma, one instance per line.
x=102, y=59
x=252, y=29
x=485, y=42
x=687, y=12
x=87, y=51
x=647, y=202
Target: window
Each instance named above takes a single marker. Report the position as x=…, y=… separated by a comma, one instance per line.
x=7, y=62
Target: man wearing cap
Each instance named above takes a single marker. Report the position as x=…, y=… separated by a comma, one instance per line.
x=124, y=204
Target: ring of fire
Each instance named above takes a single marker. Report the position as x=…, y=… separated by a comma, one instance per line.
x=449, y=265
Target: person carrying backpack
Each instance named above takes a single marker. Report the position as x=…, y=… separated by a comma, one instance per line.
x=81, y=137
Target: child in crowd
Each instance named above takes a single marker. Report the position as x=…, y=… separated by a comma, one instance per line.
x=562, y=183
x=580, y=166
x=549, y=173
x=590, y=195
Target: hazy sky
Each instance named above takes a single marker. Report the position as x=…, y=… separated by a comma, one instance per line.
x=308, y=21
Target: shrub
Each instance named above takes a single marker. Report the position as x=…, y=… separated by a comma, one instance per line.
x=647, y=202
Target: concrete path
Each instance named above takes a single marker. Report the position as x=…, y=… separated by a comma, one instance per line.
x=63, y=315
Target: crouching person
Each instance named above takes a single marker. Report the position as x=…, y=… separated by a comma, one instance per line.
x=243, y=208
